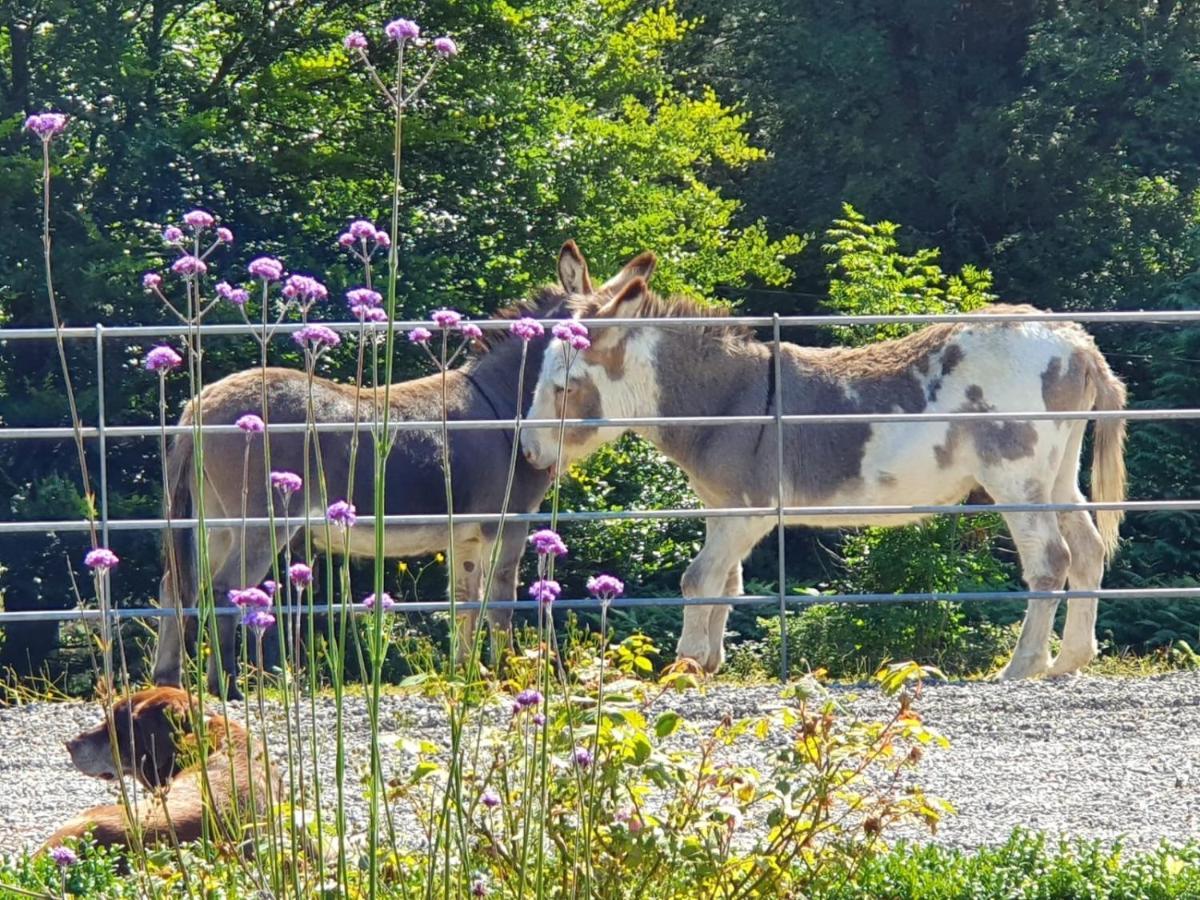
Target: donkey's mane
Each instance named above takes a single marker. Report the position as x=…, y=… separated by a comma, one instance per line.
x=537, y=307
x=676, y=306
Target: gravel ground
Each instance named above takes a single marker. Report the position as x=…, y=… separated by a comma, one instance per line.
x=1089, y=757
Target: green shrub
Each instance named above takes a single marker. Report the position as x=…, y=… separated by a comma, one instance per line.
x=1028, y=866
x=853, y=640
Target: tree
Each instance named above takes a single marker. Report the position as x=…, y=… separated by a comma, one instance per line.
x=557, y=120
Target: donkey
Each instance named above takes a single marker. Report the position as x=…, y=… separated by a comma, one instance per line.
x=485, y=387
x=971, y=367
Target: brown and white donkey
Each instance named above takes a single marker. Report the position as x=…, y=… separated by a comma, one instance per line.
x=976, y=366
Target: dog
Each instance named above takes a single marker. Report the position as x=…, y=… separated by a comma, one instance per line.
x=157, y=744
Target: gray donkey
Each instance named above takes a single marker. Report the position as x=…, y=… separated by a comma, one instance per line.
x=976, y=366
x=484, y=387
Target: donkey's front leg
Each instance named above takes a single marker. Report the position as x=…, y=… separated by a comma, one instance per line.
x=710, y=575
x=504, y=587
x=468, y=588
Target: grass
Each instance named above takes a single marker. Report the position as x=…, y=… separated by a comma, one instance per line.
x=1027, y=866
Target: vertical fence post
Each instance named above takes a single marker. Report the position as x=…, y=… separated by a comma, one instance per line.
x=783, y=635
x=102, y=441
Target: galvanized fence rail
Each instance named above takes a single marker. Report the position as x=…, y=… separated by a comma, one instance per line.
x=101, y=432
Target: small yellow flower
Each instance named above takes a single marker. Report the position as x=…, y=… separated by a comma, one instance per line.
x=439, y=559
x=402, y=567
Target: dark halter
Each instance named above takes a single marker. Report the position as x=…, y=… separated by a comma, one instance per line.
x=488, y=400
x=770, y=397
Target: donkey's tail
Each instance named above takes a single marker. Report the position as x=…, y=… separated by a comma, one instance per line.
x=178, y=562
x=1108, y=452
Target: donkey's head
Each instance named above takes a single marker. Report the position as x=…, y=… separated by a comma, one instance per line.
x=612, y=377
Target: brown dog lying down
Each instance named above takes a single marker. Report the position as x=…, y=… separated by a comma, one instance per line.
x=156, y=744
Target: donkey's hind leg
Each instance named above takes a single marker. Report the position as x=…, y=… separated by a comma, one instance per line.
x=1085, y=572
x=1045, y=558
x=1087, y=561
x=726, y=544
x=231, y=570
x=176, y=634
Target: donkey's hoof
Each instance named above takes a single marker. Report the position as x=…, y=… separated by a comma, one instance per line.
x=685, y=665
x=1067, y=668
x=696, y=654
x=1023, y=668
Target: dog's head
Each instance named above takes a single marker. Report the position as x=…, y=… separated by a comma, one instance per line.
x=148, y=727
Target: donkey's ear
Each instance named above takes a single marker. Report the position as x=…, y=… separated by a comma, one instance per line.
x=628, y=303
x=641, y=266
x=573, y=270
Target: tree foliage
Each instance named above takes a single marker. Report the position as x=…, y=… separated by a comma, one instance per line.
x=557, y=120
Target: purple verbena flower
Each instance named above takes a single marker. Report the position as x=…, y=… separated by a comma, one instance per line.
x=224, y=235
x=419, y=335
x=346, y=239
x=100, y=559
x=198, y=219
x=266, y=268
x=490, y=799
x=301, y=574
x=250, y=598
x=251, y=424
x=151, y=281
x=446, y=318
x=162, y=359
x=46, y=125
x=342, y=513
x=172, y=235
x=258, y=620
x=270, y=587
x=539, y=719
x=363, y=297
x=573, y=333
x=286, y=482
x=304, y=288
x=529, y=697
x=318, y=335
x=63, y=856
x=547, y=541
x=545, y=590
x=605, y=586
x=382, y=239
x=527, y=329
x=582, y=757
x=446, y=47
x=402, y=30
x=369, y=313
x=471, y=331
x=236, y=296
x=355, y=40
x=362, y=230
x=386, y=603
x=188, y=265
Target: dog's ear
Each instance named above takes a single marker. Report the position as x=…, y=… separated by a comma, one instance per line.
x=159, y=718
